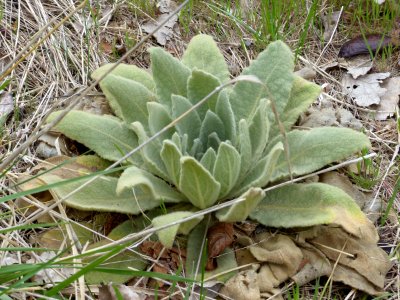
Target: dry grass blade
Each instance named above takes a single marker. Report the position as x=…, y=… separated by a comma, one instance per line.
x=36, y=133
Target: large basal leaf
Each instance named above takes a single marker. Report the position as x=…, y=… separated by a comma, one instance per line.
x=301, y=205
x=100, y=195
x=274, y=67
x=169, y=74
x=200, y=84
x=127, y=98
x=197, y=183
x=130, y=72
x=226, y=168
x=310, y=150
x=224, y=111
x=167, y=236
x=127, y=260
x=239, y=212
x=149, y=184
x=106, y=135
x=171, y=156
x=190, y=124
x=203, y=53
x=302, y=95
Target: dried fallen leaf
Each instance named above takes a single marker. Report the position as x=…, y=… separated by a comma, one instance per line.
x=314, y=265
x=243, y=286
x=357, y=66
x=220, y=236
x=166, y=7
x=52, y=144
x=365, y=90
x=390, y=100
x=280, y=252
x=362, y=256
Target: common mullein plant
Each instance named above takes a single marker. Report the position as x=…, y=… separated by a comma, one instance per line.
x=232, y=146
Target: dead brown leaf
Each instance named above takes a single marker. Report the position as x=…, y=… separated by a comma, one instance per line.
x=220, y=236
x=363, y=256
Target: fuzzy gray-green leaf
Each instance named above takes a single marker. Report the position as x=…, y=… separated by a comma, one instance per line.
x=274, y=67
x=190, y=124
x=208, y=159
x=171, y=155
x=169, y=74
x=127, y=98
x=211, y=123
x=224, y=111
x=197, y=184
x=100, y=195
x=158, y=119
x=310, y=150
x=130, y=72
x=200, y=84
x=226, y=168
x=244, y=148
x=149, y=184
x=167, y=235
x=106, y=135
x=203, y=53
x=240, y=211
x=302, y=95
x=261, y=174
x=259, y=130
x=301, y=205
x=150, y=152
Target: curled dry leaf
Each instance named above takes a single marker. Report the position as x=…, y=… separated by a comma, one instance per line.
x=365, y=90
x=220, y=236
x=357, y=66
x=52, y=144
x=360, y=45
